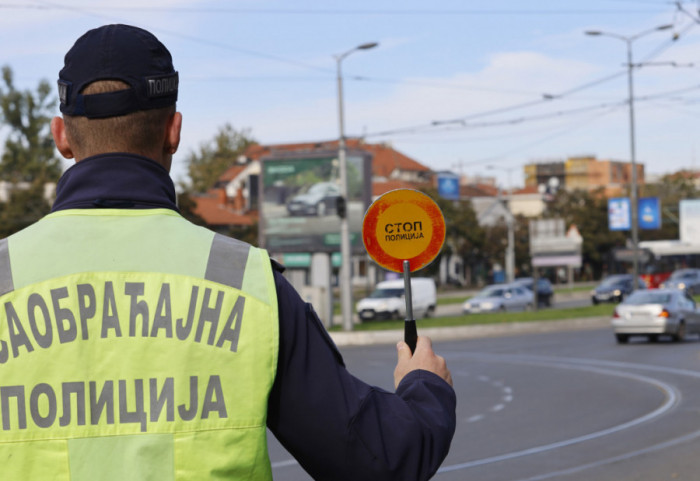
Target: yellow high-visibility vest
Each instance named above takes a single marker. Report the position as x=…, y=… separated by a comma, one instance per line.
x=134, y=346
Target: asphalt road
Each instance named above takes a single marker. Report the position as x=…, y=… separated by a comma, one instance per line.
x=566, y=405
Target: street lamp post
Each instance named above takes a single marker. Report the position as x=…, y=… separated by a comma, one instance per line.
x=345, y=250
x=510, y=223
x=633, y=155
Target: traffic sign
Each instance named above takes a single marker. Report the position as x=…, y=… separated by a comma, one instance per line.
x=403, y=225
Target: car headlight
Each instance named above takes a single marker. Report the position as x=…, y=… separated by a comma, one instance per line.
x=681, y=285
x=617, y=292
x=487, y=305
x=467, y=306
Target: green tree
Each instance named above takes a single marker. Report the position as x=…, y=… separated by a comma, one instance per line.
x=464, y=237
x=29, y=153
x=588, y=211
x=670, y=190
x=213, y=158
x=29, y=161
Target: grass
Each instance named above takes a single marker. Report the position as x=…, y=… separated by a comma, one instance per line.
x=492, y=318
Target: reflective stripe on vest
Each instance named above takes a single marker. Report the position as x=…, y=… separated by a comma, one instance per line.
x=127, y=355
x=5, y=269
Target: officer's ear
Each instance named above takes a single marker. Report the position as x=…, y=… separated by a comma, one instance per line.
x=58, y=130
x=172, y=134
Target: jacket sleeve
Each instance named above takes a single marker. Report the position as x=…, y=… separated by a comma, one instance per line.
x=340, y=428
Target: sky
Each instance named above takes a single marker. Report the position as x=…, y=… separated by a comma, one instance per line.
x=477, y=87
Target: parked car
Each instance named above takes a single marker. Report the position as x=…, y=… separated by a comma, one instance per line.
x=499, y=297
x=656, y=312
x=387, y=301
x=615, y=288
x=684, y=279
x=545, y=291
x=320, y=199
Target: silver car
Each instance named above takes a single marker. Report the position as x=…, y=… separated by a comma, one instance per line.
x=656, y=312
x=499, y=297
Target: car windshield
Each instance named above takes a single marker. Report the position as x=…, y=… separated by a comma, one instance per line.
x=682, y=275
x=648, y=297
x=491, y=292
x=384, y=293
x=609, y=281
x=321, y=189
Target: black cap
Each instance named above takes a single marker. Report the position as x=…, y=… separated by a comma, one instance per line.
x=117, y=52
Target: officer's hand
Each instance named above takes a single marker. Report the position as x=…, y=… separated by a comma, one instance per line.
x=422, y=358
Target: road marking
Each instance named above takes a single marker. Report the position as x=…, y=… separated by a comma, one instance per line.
x=584, y=365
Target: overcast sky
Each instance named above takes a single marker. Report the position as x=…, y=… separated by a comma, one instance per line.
x=474, y=86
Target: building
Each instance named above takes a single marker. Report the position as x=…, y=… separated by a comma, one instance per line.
x=233, y=199
x=582, y=172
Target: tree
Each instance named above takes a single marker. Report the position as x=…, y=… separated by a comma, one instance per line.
x=29, y=153
x=214, y=157
x=670, y=190
x=464, y=237
x=28, y=162
x=588, y=211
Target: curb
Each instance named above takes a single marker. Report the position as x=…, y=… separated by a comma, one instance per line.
x=363, y=338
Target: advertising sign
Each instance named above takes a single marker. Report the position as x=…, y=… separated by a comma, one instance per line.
x=649, y=213
x=300, y=193
x=448, y=186
x=689, y=221
x=619, y=214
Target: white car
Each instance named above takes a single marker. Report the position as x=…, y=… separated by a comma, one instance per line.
x=387, y=301
x=499, y=297
x=656, y=312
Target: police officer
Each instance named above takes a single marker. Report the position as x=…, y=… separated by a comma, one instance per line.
x=135, y=345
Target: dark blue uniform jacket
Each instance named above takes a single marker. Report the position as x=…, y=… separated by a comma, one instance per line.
x=335, y=425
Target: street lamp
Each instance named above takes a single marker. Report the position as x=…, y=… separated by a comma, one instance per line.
x=345, y=251
x=510, y=250
x=633, y=156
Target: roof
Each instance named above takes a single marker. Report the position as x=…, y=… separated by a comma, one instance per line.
x=232, y=172
x=477, y=190
x=215, y=212
x=531, y=189
x=386, y=159
x=382, y=187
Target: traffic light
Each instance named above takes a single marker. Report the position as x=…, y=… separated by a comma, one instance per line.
x=341, y=207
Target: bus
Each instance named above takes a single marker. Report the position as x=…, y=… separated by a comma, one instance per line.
x=658, y=259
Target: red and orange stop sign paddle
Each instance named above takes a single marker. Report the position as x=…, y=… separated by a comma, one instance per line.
x=403, y=231
x=403, y=225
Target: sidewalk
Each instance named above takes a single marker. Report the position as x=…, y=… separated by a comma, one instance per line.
x=358, y=338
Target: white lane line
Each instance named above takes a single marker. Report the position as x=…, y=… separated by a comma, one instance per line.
x=671, y=400
x=622, y=457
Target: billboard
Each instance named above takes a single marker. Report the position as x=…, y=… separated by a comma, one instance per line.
x=689, y=221
x=448, y=186
x=300, y=193
x=649, y=213
x=619, y=213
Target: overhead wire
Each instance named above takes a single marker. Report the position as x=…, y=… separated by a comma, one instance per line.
x=344, y=11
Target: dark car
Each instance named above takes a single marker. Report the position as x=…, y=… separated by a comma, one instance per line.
x=545, y=291
x=615, y=288
x=319, y=200
x=687, y=280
